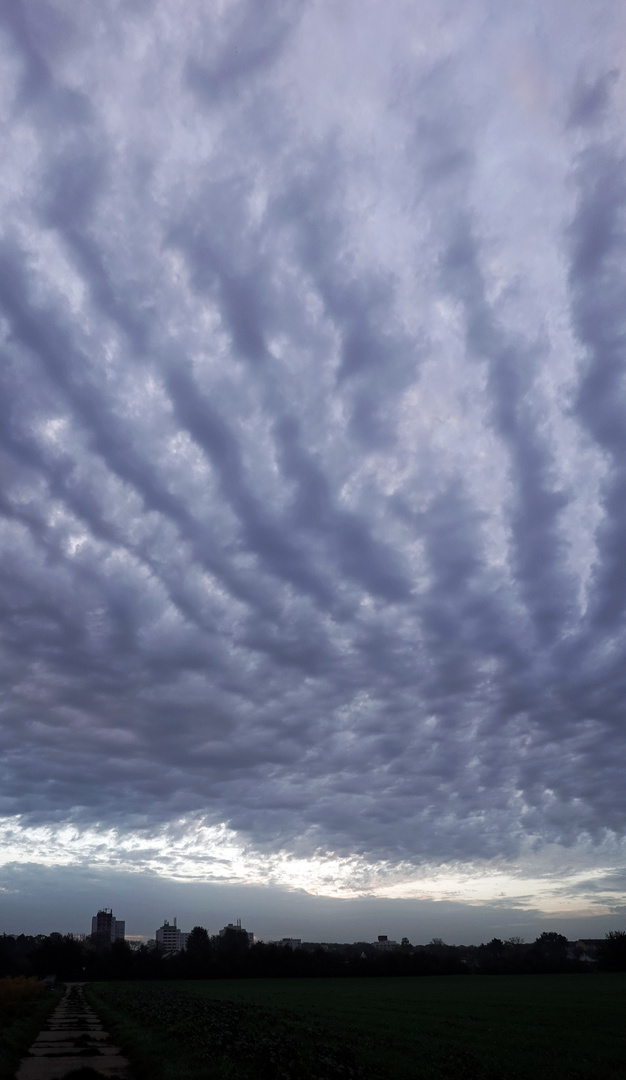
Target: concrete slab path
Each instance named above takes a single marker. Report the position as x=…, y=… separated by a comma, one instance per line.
x=72, y=1039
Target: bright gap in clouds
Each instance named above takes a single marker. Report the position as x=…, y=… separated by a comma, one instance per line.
x=553, y=881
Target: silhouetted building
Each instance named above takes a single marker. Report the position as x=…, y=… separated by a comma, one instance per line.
x=105, y=928
x=384, y=943
x=170, y=939
x=237, y=928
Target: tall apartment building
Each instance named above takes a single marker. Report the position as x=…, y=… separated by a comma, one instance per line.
x=170, y=938
x=105, y=928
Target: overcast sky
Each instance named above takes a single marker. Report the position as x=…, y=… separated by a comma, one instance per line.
x=313, y=464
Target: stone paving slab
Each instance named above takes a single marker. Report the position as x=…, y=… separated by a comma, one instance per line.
x=70, y=1024
x=74, y=1024
x=75, y=1051
x=76, y=1018
x=70, y=1033
x=83, y=1014
x=54, y=1068
x=73, y=1039
x=69, y=1047
x=76, y=1015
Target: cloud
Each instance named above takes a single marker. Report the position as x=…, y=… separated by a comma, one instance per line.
x=590, y=99
x=249, y=41
x=311, y=434
x=143, y=901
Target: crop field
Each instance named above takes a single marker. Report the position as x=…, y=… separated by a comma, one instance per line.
x=557, y=1027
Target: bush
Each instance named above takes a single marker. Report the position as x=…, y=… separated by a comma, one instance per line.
x=18, y=988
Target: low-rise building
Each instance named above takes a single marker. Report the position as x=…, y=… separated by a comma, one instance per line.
x=384, y=944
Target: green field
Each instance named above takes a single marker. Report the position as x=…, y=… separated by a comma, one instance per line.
x=558, y=1027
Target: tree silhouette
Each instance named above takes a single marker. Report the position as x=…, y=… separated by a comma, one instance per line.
x=613, y=951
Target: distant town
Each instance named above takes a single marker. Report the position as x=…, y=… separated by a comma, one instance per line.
x=234, y=951
x=169, y=938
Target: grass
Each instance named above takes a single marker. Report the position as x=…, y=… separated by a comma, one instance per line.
x=557, y=1027
x=25, y=1005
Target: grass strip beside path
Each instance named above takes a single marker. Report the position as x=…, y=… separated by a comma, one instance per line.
x=20, y=1023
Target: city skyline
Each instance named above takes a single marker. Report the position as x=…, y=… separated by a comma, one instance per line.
x=312, y=465
x=274, y=914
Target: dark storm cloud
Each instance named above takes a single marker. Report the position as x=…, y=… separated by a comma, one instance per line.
x=296, y=527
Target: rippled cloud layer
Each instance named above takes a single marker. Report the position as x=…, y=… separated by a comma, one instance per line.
x=313, y=433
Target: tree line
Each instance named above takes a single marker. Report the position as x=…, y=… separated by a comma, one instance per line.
x=231, y=955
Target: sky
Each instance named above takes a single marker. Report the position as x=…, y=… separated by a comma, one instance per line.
x=313, y=466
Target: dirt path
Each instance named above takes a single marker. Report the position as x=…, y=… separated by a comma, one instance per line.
x=72, y=1039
